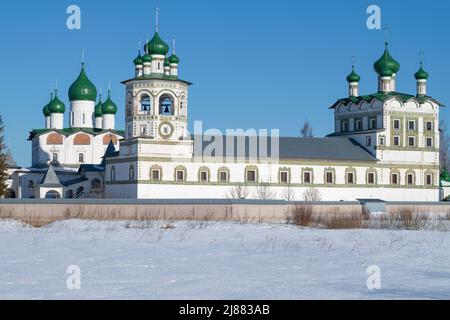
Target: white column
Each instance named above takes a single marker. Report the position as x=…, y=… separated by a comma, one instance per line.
x=99, y=122
x=421, y=87
x=139, y=70
x=82, y=114
x=56, y=121
x=158, y=63
x=47, y=122
x=108, y=122
x=385, y=84
x=147, y=68
x=353, y=89
x=174, y=69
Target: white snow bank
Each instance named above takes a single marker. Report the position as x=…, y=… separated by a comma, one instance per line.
x=12, y=224
x=220, y=261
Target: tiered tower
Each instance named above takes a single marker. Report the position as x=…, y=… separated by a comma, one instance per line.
x=156, y=99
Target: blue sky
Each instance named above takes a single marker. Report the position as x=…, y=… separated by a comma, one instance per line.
x=254, y=64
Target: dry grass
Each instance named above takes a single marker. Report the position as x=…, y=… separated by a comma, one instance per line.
x=302, y=215
x=348, y=220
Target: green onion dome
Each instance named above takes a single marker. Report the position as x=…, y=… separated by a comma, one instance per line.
x=98, y=107
x=147, y=58
x=56, y=105
x=421, y=74
x=138, y=61
x=445, y=176
x=386, y=62
x=174, y=59
x=387, y=72
x=166, y=62
x=82, y=88
x=45, y=110
x=157, y=46
x=109, y=107
x=353, y=76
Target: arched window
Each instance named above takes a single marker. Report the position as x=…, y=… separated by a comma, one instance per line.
x=80, y=157
x=96, y=185
x=113, y=173
x=30, y=184
x=52, y=194
x=131, y=173
x=80, y=190
x=146, y=103
x=69, y=194
x=82, y=139
x=166, y=105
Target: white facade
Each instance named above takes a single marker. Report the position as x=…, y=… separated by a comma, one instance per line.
x=392, y=141
x=82, y=114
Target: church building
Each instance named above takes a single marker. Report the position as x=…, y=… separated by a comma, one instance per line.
x=385, y=145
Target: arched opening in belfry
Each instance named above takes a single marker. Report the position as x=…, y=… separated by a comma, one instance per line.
x=146, y=103
x=166, y=105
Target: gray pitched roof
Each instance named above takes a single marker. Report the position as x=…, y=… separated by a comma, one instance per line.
x=50, y=178
x=288, y=148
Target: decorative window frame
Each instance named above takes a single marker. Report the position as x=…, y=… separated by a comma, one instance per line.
x=408, y=173
x=399, y=177
x=327, y=170
x=155, y=168
x=208, y=172
x=180, y=168
x=251, y=168
x=347, y=171
x=223, y=169
x=375, y=180
x=311, y=171
x=288, y=171
x=426, y=173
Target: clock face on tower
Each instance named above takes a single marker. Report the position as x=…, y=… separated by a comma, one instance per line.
x=165, y=130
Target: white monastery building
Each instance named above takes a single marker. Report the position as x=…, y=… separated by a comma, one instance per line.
x=384, y=146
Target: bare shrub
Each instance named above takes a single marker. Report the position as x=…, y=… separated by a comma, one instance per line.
x=347, y=220
x=264, y=191
x=407, y=218
x=312, y=195
x=302, y=215
x=288, y=194
x=238, y=192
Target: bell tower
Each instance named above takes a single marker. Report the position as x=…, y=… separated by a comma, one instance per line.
x=156, y=101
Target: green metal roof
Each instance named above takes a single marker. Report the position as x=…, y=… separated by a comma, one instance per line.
x=46, y=110
x=138, y=60
x=56, y=105
x=109, y=107
x=445, y=176
x=421, y=74
x=98, y=107
x=157, y=76
x=353, y=76
x=381, y=96
x=157, y=46
x=386, y=62
x=82, y=89
x=174, y=59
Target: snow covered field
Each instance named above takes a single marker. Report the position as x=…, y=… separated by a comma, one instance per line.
x=123, y=260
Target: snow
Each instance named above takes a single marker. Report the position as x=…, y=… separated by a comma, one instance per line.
x=206, y=260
